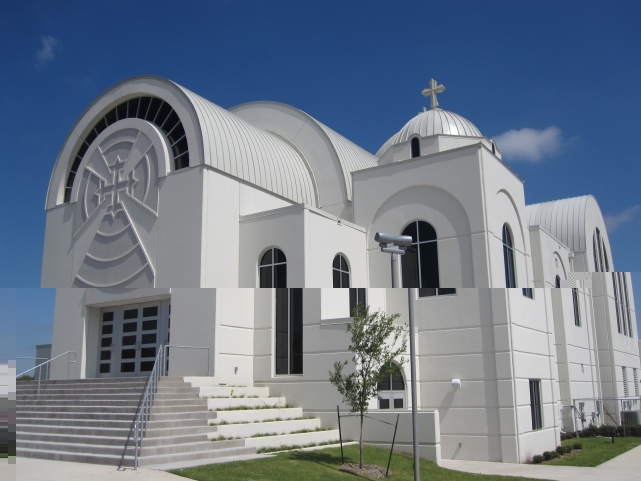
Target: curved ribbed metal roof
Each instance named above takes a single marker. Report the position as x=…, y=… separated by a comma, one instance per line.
x=432, y=122
x=565, y=219
x=238, y=148
x=350, y=155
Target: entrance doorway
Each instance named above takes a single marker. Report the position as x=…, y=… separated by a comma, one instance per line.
x=130, y=336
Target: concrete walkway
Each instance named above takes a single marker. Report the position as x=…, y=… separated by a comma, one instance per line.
x=28, y=469
x=624, y=466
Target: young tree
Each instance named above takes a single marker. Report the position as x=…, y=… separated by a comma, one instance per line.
x=376, y=342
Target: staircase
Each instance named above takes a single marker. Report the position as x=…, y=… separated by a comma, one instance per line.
x=192, y=422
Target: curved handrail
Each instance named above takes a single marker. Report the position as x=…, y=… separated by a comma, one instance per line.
x=69, y=362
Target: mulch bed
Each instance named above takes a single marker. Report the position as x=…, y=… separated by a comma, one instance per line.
x=369, y=470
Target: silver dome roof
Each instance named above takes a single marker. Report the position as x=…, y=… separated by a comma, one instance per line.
x=432, y=122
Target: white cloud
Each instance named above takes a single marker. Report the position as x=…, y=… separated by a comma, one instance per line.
x=530, y=145
x=614, y=221
x=48, y=50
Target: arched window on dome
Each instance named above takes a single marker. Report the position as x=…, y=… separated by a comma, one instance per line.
x=420, y=262
x=508, y=257
x=415, y=146
x=601, y=263
x=152, y=109
x=391, y=390
x=340, y=271
x=273, y=269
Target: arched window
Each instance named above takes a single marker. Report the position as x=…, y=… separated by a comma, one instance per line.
x=340, y=271
x=152, y=109
x=557, y=282
x=392, y=390
x=273, y=269
x=415, y=146
x=420, y=262
x=508, y=257
x=601, y=263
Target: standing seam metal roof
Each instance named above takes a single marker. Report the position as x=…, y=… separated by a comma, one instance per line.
x=432, y=122
x=564, y=219
x=238, y=148
x=350, y=155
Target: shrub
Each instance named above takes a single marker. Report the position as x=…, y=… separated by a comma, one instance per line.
x=635, y=431
x=555, y=455
x=538, y=459
x=589, y=432
x=565, y=436
x=567, y=449
x=577, y=446
x=607, y=431
x=547, y=455
x=560, y=450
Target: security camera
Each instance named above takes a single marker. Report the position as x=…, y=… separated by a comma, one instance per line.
x=403, y=240
x=383, y=238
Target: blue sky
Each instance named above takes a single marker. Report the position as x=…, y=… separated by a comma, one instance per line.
x=555, y=82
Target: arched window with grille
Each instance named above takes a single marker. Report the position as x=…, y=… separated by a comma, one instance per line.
x=273, y=268
x=508, y=257
x=415, y=145
x=391, y=390
x=340, y=271
x=420, y=262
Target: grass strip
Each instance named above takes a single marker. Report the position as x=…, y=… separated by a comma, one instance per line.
x=595, y=451
x=323, y=464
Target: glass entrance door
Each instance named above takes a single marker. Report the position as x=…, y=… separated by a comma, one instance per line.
x=130, y=337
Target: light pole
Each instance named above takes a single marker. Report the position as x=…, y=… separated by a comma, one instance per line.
x=402, y=241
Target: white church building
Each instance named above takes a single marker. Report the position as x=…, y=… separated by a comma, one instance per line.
x=171, y=220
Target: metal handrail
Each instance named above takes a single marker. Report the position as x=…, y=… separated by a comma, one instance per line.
x=184, y=347
x=146, y=403
x=37, y=359
x=69, y=362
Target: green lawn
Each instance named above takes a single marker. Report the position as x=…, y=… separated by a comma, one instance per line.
x=322, y=465
x=595, y=451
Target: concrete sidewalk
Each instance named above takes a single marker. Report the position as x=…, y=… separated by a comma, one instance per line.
x=624, y=466
x=28, y=469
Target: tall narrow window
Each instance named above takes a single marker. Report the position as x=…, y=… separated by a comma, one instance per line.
x=508, y=257
x=535, y=404
x=528, y=292
x=626, y=301
x=420, y=262
x=356, y=296
x=624, y=372
x=273, y=269
x=635, y=378
x=557, y=282
x=289, y=331
x=575, y=303
x=340, y=271
x=600, y=254
x=617, y=303
x=416, y=147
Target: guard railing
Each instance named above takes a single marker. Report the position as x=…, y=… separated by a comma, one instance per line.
x=69, y=362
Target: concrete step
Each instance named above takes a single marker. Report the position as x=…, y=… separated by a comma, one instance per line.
x=197, y=457
x=106, y=449
x=178, y=408
x=300, y=439
x=214, y=404
x=248, y=430
x=75, y=457
x=193, y=401
x=187, y=448
x=178, y=414
x=84, y=441
x=221, y=391
x=111, y=409
x=86, y=415
x=133, y=401
x=24, y=429
x=256, y=415
x=24, y=423
x=178, y=430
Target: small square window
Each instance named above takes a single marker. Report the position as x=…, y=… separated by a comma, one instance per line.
x=383, y=403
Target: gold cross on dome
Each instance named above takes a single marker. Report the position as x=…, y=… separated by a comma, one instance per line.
x=433, y=90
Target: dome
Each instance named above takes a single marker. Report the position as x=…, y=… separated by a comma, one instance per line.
x=432, y=122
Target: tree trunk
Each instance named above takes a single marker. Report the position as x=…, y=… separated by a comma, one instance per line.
x=361, y=440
